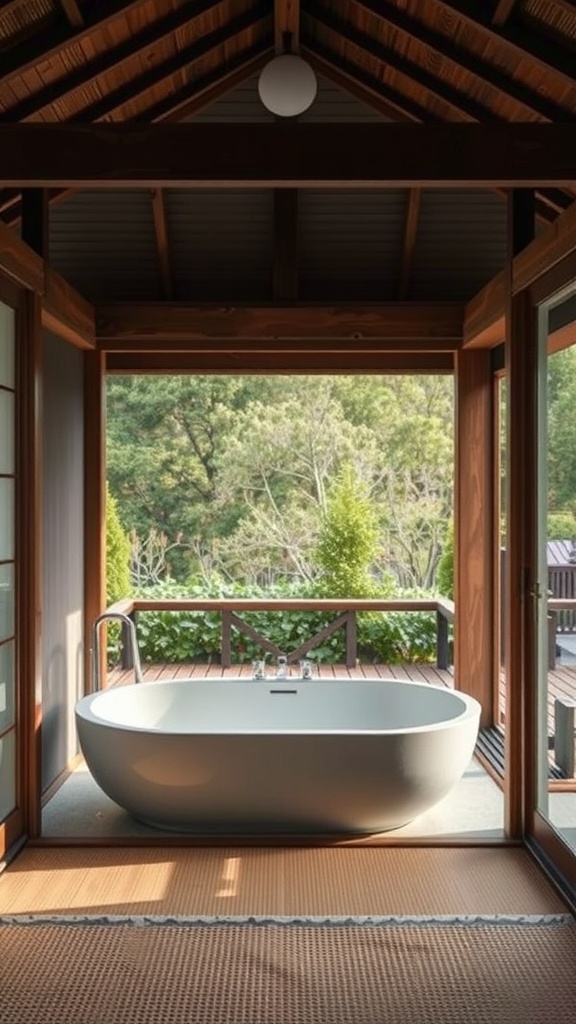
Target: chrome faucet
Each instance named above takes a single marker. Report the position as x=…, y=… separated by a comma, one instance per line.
x=282, y=667
x=259, y=669
x=305, y=668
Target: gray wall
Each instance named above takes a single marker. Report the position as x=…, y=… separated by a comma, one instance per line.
x=62, y=552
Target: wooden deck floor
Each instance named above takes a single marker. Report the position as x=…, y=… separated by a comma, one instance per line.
x=413, y=673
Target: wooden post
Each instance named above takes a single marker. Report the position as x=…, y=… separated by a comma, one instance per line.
x=442, y=646
x=473, y=633
x=521, y=360
x=226, y=644
x=351, y=640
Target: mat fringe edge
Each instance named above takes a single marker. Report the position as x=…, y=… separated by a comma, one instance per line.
x=466, y=920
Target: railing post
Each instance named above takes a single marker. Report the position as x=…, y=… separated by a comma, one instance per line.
x=226, y=644
x=442, y=645
x=564, y=709
x=552, y=629
x=351, y=640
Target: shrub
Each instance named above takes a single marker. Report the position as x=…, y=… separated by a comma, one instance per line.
x=348, y=543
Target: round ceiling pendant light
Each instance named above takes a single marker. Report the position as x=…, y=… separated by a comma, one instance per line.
x=287, y=85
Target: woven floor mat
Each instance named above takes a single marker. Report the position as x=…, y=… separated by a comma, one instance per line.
x=483, y=972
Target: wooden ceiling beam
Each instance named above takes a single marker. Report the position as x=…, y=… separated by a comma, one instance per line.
x=465, y=60
x=187, y=101
x=387, y=57
x=85, y=74
x=285, y=277
x=288, y=155
x=162, y=242
x=74, y=15
x=286, y=24
x=409, y=243
x=504, y=9
x=522, y=42
x=107, y=106
x=50, y=42
x=243, y=363
x=415, y=326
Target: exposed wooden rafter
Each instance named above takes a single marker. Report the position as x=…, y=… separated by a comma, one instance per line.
x=504, y=9
x=446, y=48
x=523, y=43
x=108, y=106
x=288, y=155
x=386, y=56
x=410, y=232
x=84, y=75
x=286, y=24
x=46, y=45
x=285, y=273
x=8, y=6
x=162, y=242
x=73, y=13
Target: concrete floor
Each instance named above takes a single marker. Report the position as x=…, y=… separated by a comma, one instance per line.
x=79, y=809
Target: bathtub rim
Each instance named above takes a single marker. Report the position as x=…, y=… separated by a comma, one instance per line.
x=83, y=708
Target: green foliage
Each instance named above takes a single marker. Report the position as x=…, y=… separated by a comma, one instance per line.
x=391, y=638
x=445, y=574
x=348, y=544
x=173, y=637
x=561, y=526
x=117, y=553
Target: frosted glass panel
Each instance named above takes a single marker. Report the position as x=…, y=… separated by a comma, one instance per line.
x=6, y=519
x=7, y=335
x=6, y=431
x=7, y=686
x=7, y=774
x=6, y=602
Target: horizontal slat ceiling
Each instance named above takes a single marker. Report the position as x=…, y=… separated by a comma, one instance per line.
x=243, y=104
x=460, y=244
x=221, y=243
x=350, y=243
x=104, y=244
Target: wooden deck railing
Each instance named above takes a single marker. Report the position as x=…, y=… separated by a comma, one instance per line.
x=231, y=611
x=555, y=606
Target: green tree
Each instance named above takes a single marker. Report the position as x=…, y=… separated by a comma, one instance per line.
x=117, y=553
x=348, y=545
x=445, y=574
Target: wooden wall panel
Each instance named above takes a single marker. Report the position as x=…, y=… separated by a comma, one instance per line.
x=473, y=654
x=63, y=552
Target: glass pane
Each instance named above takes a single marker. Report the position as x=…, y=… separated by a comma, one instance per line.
x=6, y=602
x=7, y=686
x=7, y=336
x=6, y=431
x=7, y=774
x=6, y=519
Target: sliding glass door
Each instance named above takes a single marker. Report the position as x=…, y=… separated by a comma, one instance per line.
x=555, y=591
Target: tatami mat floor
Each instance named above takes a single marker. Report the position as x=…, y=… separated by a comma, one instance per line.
x=274, y=881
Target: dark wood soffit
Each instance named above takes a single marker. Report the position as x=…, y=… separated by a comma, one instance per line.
x=485, y=312
x=432, y=326
x=289, y=155
x=280, y=363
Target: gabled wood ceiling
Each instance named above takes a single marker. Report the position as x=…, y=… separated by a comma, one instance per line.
x=428, y=61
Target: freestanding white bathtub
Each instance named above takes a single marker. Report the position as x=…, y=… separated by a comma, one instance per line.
x=253, y=756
